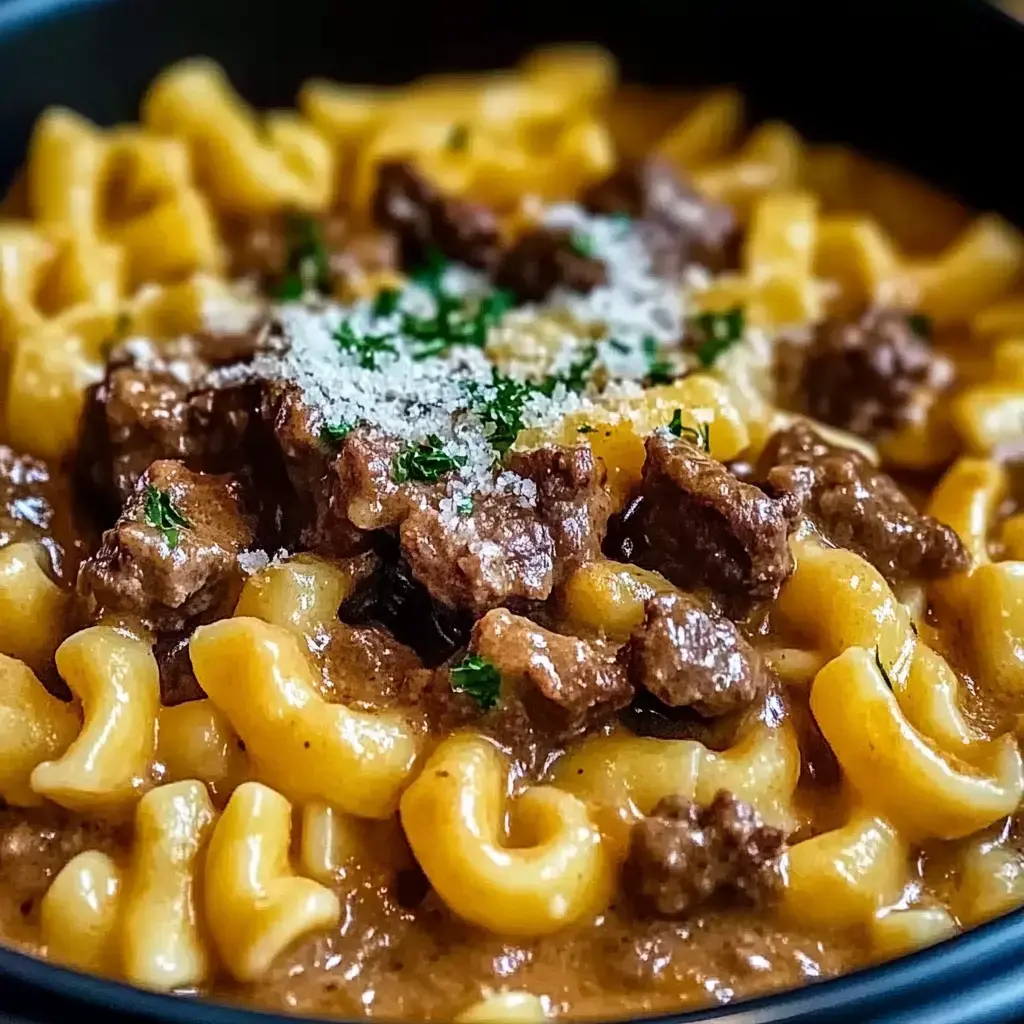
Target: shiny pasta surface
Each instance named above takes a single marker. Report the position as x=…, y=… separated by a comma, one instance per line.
x=507, y=547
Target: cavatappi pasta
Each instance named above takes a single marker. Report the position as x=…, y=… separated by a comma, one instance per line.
x=503, y=547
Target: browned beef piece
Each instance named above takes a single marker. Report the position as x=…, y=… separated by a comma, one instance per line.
x=688, y=655
x=700, y=526
x=682, y=855
x=544, y=259
x=564, y=683
x=501, y=552
x=35, y=506
x=862, y=374
x=366, y=665
x=572, y=500
x=857, y=506
x=178, y=683
x=680, y=225
x=168, y=578
x=510, y=549
x=426, y=221
x=319, y=515
x=365, y=484
x=164, y=407
x=264, y=247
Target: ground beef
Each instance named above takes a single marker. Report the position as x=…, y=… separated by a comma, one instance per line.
x=688, y=655
x=164, y=407
x=506, y=548
x=564, y=683
x=264, y=248
x=425, y=221
x=700, y=526
x=679, y=224
x=682, y=855
x=862, y=374
x=138, y=570
x=857, y=506
x=544, y=259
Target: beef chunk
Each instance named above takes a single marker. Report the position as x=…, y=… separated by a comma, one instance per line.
x=563, y=682
x=863, y=374
x=700, y=526
x=858, y=507
x=572, y=500
x=164, y=579
x=689, y=656
x=265, y=247
x=544, y=259
x=178, y=683
x=680, y=225
x=35, y=506
x=317, y=515
x=682, y=855
x=502, y=551
x=513, y=546
x=366, y=665
x=426, y=221
x=164, y=407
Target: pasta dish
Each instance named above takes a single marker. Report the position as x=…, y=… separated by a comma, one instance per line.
x=506, y=547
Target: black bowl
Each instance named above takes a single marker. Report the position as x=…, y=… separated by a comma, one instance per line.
x=930, y=87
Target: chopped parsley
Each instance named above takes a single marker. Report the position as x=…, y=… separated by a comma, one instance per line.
x=882, y=669
x=715, y=333
x=458, y=138
x=479, y=678
x=700, y=436
x=582, y=245
x=659, y=371
x=425, y=462
x=161, y=514
x=464, y=505
x=921, y=325
x=619, y=346
x=334, y=433
x=386, y=301
x=365, y=347
x=504, y=411
x=585, y=428
x=307, y=266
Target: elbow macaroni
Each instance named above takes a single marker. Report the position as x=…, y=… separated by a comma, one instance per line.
x=558, y=871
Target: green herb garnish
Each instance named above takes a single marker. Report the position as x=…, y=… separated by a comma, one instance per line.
x=307, y=267
x=366, y=348
x=620, y=346
x=503, y=410
x=161, y=514
x=659, y=371
x=464, y=505
x=479, y=678
x=334, y=433
x=921, y=325
x=425, y=462
x=386, y=301
x=458, y=138
x=715, y=333
x=700, y=436
x=582, y=245
x=881, y=668
x=585, y=428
